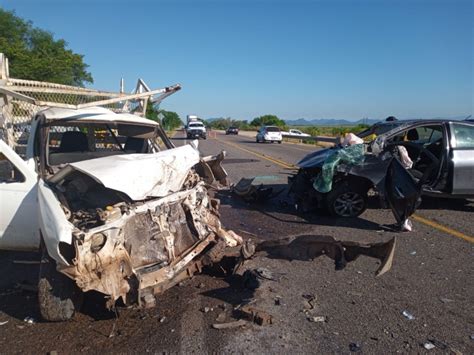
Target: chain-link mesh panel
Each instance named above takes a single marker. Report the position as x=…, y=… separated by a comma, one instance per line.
x=17, y=112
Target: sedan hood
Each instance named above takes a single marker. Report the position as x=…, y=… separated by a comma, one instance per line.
x=139, y=176
x=317, y=158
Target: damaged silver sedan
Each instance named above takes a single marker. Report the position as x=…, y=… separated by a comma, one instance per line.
x=121, y=210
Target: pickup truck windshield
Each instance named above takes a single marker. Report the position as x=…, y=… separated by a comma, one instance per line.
x=69, y=142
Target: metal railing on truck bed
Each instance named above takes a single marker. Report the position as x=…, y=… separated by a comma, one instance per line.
x=21, y=99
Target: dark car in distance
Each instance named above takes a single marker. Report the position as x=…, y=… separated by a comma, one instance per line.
x=232, y=130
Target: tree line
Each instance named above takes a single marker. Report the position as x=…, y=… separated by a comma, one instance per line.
x=265, y=120
x=35, y=54
x=273, y=120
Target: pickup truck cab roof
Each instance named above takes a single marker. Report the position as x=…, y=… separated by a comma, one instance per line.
x=93, y=114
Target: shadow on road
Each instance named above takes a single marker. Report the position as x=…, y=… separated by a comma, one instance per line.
x=433, y=203
x=281, y=208
x=235, y=293
x=185, y=138
x=18, y=289
x=18, y=279
x=307, y=247
x=239, y=161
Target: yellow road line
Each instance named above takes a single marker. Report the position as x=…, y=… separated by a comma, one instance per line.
x=416, y=217
x=263, y=156
x=442, y=228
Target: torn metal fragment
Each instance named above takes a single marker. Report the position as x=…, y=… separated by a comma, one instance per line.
x=229, y=325
x=309, y=247
x=254, y=190
x=256, y=315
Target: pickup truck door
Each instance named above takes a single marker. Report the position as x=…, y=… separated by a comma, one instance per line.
x=462, y=158
x=18, y=202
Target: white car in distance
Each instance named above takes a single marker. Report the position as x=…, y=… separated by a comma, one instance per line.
x=269, y=134
x=297, y=133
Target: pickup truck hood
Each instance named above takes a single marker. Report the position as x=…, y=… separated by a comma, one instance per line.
x=139, y=176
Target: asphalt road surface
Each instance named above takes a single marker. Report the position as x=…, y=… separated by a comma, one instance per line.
x=432, y=279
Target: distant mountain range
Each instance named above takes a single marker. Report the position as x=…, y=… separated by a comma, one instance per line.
x=351, y=122
x=341, y=121
x=329, y=122
x=320, y=122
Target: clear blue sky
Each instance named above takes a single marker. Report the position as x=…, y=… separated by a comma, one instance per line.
x=312, y=59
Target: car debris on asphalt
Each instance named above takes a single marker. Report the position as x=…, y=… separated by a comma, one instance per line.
x=317, y=319
x=428, y=345
x=206, y=309
x=256, y=189
x=221, y=317
x=255, y=315
x=230, y=325
x=29, y=320
x=408, y=315
x=355, y=347
x=308, y=301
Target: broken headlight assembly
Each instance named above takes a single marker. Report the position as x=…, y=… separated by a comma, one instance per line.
x=97, y=242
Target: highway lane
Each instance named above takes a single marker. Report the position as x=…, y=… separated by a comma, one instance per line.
x=287, y=152
x=432, y=276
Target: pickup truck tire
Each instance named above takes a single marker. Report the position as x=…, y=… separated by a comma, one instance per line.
x=279, y=142
x=346, y=201
x=59, y=297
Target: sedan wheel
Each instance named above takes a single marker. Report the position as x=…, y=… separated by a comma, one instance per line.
x=343, y=201
x=348, y=205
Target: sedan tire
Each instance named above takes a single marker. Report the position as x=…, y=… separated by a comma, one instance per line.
x=346, y=201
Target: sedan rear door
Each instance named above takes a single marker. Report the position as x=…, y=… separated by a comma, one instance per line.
x=462, y=158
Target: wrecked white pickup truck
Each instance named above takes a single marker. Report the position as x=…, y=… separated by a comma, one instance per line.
x=113, y=206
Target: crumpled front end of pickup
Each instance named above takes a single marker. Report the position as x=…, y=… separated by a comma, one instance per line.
x=142, y=232
x=149, y=248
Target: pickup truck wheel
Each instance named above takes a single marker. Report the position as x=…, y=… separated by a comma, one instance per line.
x=59, y=297
x=279, y=142
x=346, y=201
